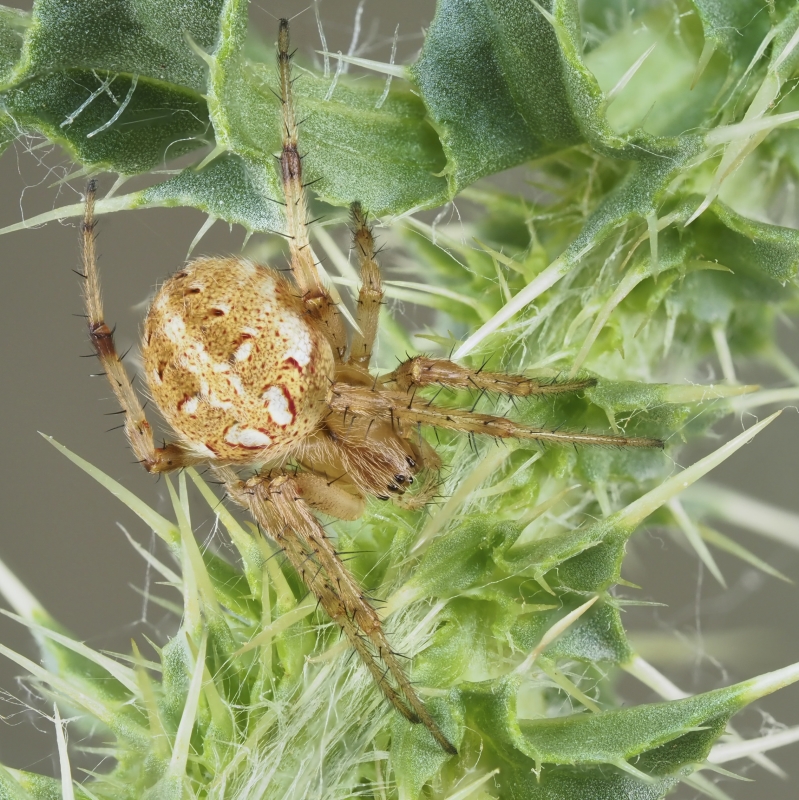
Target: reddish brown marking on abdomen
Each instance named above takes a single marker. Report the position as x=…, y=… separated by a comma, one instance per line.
x=294, y=362
x=290, y=401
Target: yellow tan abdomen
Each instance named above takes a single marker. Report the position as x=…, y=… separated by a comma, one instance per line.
x=233, y=361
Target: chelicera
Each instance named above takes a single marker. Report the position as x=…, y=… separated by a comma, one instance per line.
x=257, y=377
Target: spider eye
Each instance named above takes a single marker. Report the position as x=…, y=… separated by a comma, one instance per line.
x=399, y=478
x=411, y=462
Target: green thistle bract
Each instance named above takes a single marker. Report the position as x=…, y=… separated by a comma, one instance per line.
x=647, y=252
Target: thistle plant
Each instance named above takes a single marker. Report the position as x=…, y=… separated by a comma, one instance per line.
x=660, y=150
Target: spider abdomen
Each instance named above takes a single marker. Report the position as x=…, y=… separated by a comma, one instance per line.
x=234, y=362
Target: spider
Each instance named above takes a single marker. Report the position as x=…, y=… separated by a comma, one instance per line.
x=256, y=372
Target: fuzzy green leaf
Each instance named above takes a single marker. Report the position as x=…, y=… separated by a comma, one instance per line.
x=21, y=785
x=735, y=28
x=384, y=154
x=750, y=247
x=139, y=138
x=415, y=755
x=149, y=39
x=614, y=736
x=589, y=559
x=454, y=562
x=598, y=636
x=116, y=83
x=519, y=782
x=7, y=132
x=229, y=188
x=492, y=75
x=12, y=29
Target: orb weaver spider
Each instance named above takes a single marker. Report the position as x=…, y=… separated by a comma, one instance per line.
x=252, y=370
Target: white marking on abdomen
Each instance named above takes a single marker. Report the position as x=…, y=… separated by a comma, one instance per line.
x=235, y=382
x=189, y=405
x=277, y=405
x=300, y=344
x=216, y=402
x=193, y=357
x=175, y=329
x=243, y=350
x=202, y=449
x=247, y=437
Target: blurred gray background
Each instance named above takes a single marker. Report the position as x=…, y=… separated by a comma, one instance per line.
x=61, y=531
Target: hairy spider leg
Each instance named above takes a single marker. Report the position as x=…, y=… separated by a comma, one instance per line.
x=137, y=428
x=421, y=371
x=303, y=266
x=370, y=296
x=319, y=302
x=277, y=503
x=395, y=406
x=369, y=301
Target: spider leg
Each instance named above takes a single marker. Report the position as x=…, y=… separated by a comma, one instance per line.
x=370, y=297
x=423, y=371
x=137, y=429
x=281, y=505
x=303, y=265
x=394, y=405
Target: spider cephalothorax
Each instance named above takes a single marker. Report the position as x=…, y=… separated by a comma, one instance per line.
x=252, y=370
